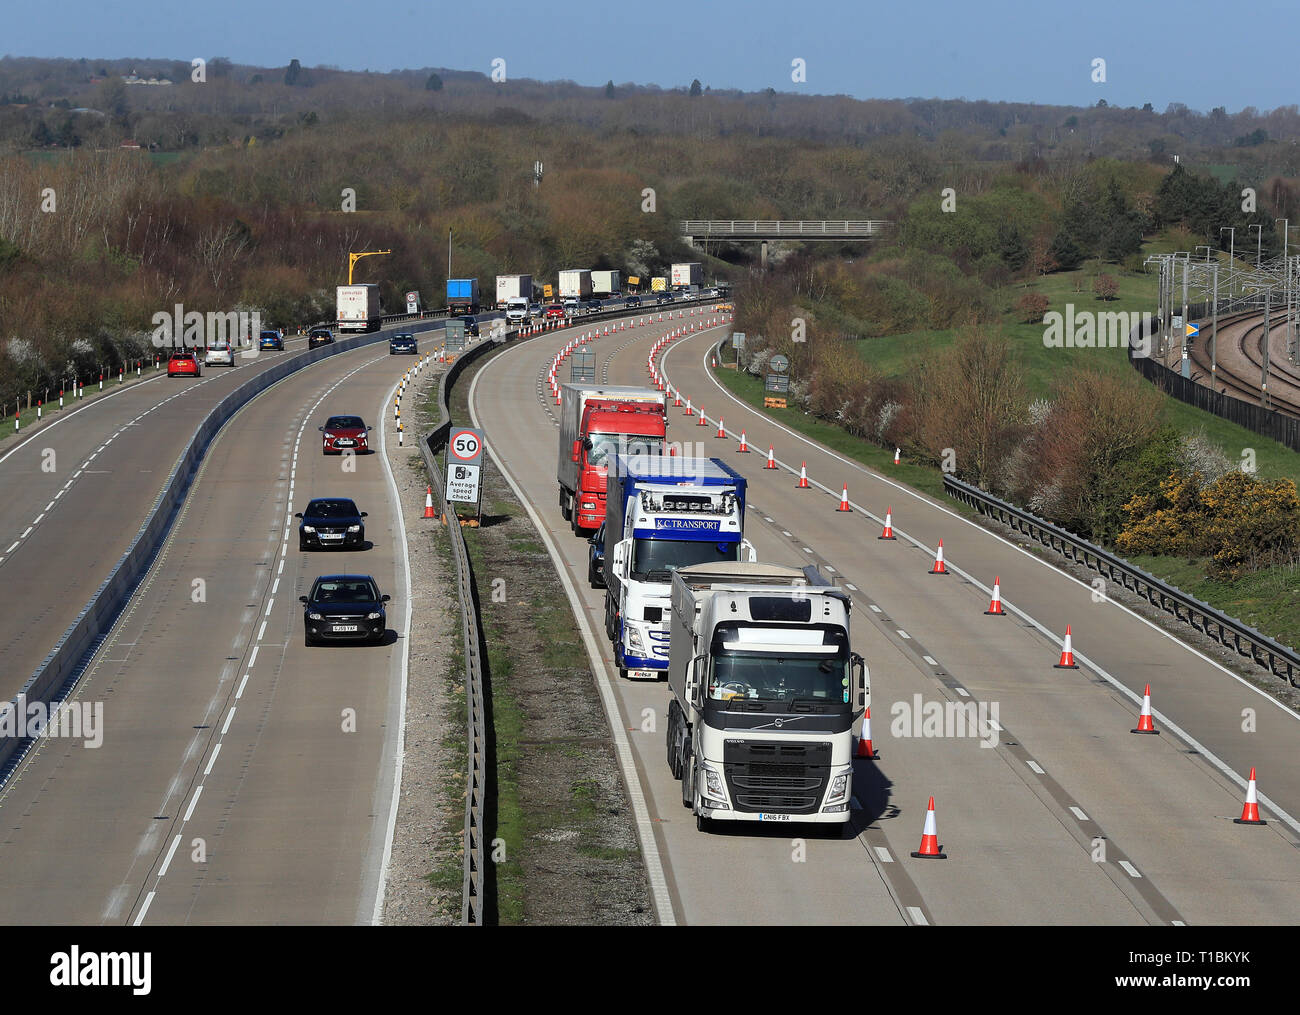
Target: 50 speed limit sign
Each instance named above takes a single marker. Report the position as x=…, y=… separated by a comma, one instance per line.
x=465, y=446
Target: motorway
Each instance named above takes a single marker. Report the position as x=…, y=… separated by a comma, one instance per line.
x=1070, y=819
x=242, y=778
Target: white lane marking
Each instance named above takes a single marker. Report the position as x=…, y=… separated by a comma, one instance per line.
x=904, y=634
x=280, y=569
x=38, y=519
x=917, y=916
x=807, y=550
x=148, y=900
x=830, y=569
x=962, y=691
x=883, y=854
x=27, y=533
x=215, y=751
x=852, y=588
x=262, y=631
x=60, y=493
x=49, y=505
x=1035, y=767
x=931, y=660
x=189, y=811
x=1132, y=871
x=229, y=715
x=1177, y=923
x=11, y=549
x=875, y=608
x=269, y=603
x=239, y=693
x=252, y=658
x=1078, y=813
x=167, y=860
x=275, y=587
x=784, y=533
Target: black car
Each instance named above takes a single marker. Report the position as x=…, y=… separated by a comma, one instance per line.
x=596, y=559
x=405, y=342
x=471, y=325
x=634, y=301
x=662, y=300
x=329, y=522
x=344, y=607
x=318, y=337
x=592, y=307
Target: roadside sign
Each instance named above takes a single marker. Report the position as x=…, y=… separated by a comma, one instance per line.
x=455, y=334
x=634, y=280
x=1193, y=330
x=463, y=483
x=582, y=365
x=738, y=340
x=779, y=364
x=1178, y=321
x=774, y=402
x=413, y=303
x=465, y=446
x=778, y=383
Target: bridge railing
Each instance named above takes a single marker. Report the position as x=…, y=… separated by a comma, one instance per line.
x=791, y=227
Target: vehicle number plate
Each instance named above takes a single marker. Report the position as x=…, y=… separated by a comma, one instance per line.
x=343, y=628
x=764, y=816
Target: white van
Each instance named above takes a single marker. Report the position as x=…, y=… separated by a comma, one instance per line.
x=517, y=310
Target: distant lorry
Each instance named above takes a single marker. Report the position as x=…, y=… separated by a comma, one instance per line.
x=462, y=296
x=765, y=691
x=605, y=283
x=597, y=422
x=659, y=284
x=358, y=308
x=687, y=274
x=575, y=283
x=663, y=513
x=512, y=287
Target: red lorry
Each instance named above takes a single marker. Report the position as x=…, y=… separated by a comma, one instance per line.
x=596, y=423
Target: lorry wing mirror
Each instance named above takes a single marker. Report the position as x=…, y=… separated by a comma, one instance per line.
x=861, y=676
x=577, y=446
x=695, y=682
x=747, y=548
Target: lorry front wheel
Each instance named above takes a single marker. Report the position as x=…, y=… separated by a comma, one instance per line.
x=566, y=512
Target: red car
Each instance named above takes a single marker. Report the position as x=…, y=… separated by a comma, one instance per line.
x=344, y=433
x=184, y=364
x=555, y=310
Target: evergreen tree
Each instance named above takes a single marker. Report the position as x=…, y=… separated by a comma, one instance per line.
x=1065, y=252
x=434, y=84
x=293, y=73
x=609, y=89
x=1011, y=246
x=696, y=88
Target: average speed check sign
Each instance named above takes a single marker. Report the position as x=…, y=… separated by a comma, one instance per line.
x=464, y=465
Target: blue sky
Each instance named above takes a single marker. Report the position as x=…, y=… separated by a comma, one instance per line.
x=1197, y=52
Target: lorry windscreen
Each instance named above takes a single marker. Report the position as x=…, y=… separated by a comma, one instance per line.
x=605, y=445
x=657, y=559
x=773, y=676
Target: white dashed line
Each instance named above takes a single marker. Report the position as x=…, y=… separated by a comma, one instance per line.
x=11, y=549
x=904, y=634
x=883, y=854
x=917, y=916
x=144, y=909
x=167, y=860
x=211, y=761
x=962, y=691
x=262, y=631
x=1132, y=871
x=193, y=802
x=239, y=693
x=252, y=659
x=269, y=603
x=931, y=660
x=1078, y=813
x=229, y=716
x=851, y=587
x=1035, y=767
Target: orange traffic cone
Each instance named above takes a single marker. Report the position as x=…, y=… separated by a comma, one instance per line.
x=888, y=533
x=677, y=399
x=897, y=452
x=844, y=500
x=1250, y=812
x=744, y=448
x=428, y=503
x=689, y=411
x=1145, y=722
x=930, y=838
x=1067, y=654
x=939, y=566
x=721, y=433
x=865, y=750
x=771, y=460
x=995, y=605
x=803, y=477
x=703, y=420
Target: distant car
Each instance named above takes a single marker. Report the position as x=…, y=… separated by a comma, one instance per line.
x=571, y=304
x=592, y=307
x=596, y=559
x=405, y=342
x=471, y=325
x=634, y=301
x=184, y=364
x=330, y=523
x=344, y=607
x=534, y=310
x=271, y=340
x=662, y=300
x=344, y=433
x=555, y=310
x=220, y=354
x=318, y=337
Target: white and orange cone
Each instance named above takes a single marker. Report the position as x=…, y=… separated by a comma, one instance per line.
x=744, y=448
x=995, y=604
x=1067, y=654
x=1145, y=723
x=677, y=399
x=704, y=421
x=1250, y=812
x=689, y=411
x=865, y=750
x=771, y=458
x=897, y=452
x=939, y=566
x=930, y=838
x=428, y=502
x=721, y=432
x=888, y=532
x=803, y=477
x=844, y=500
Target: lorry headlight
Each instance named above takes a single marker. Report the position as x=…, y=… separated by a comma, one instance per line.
x=839, y=789
x=634, y=640
x=589, y=505
x=712, y=788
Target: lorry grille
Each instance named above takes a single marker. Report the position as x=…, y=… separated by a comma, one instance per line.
x=766, y=776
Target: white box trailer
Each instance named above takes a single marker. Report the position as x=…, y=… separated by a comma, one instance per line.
x=513, y=287
x=606, y=283
x=765, y=692
x=575, y=283
x=358, y=308
x=686, y=274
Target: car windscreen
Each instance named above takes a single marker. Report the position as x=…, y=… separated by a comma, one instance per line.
x=345, y=590
x=344, y=422
x=331, y=509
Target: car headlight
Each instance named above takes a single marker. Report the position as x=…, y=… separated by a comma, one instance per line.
x=361, y=436
x=712, y=789
x=634, y=641
x=839, y=789
x=373, y=616
x=309, y=528
x=329, y=436
x=354, y=528
x=314, y=616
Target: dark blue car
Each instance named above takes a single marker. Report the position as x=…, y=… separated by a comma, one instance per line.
x=404, y=342
x=344, y=607
x=271, y=340
x=330, y=523
x=596, y=559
